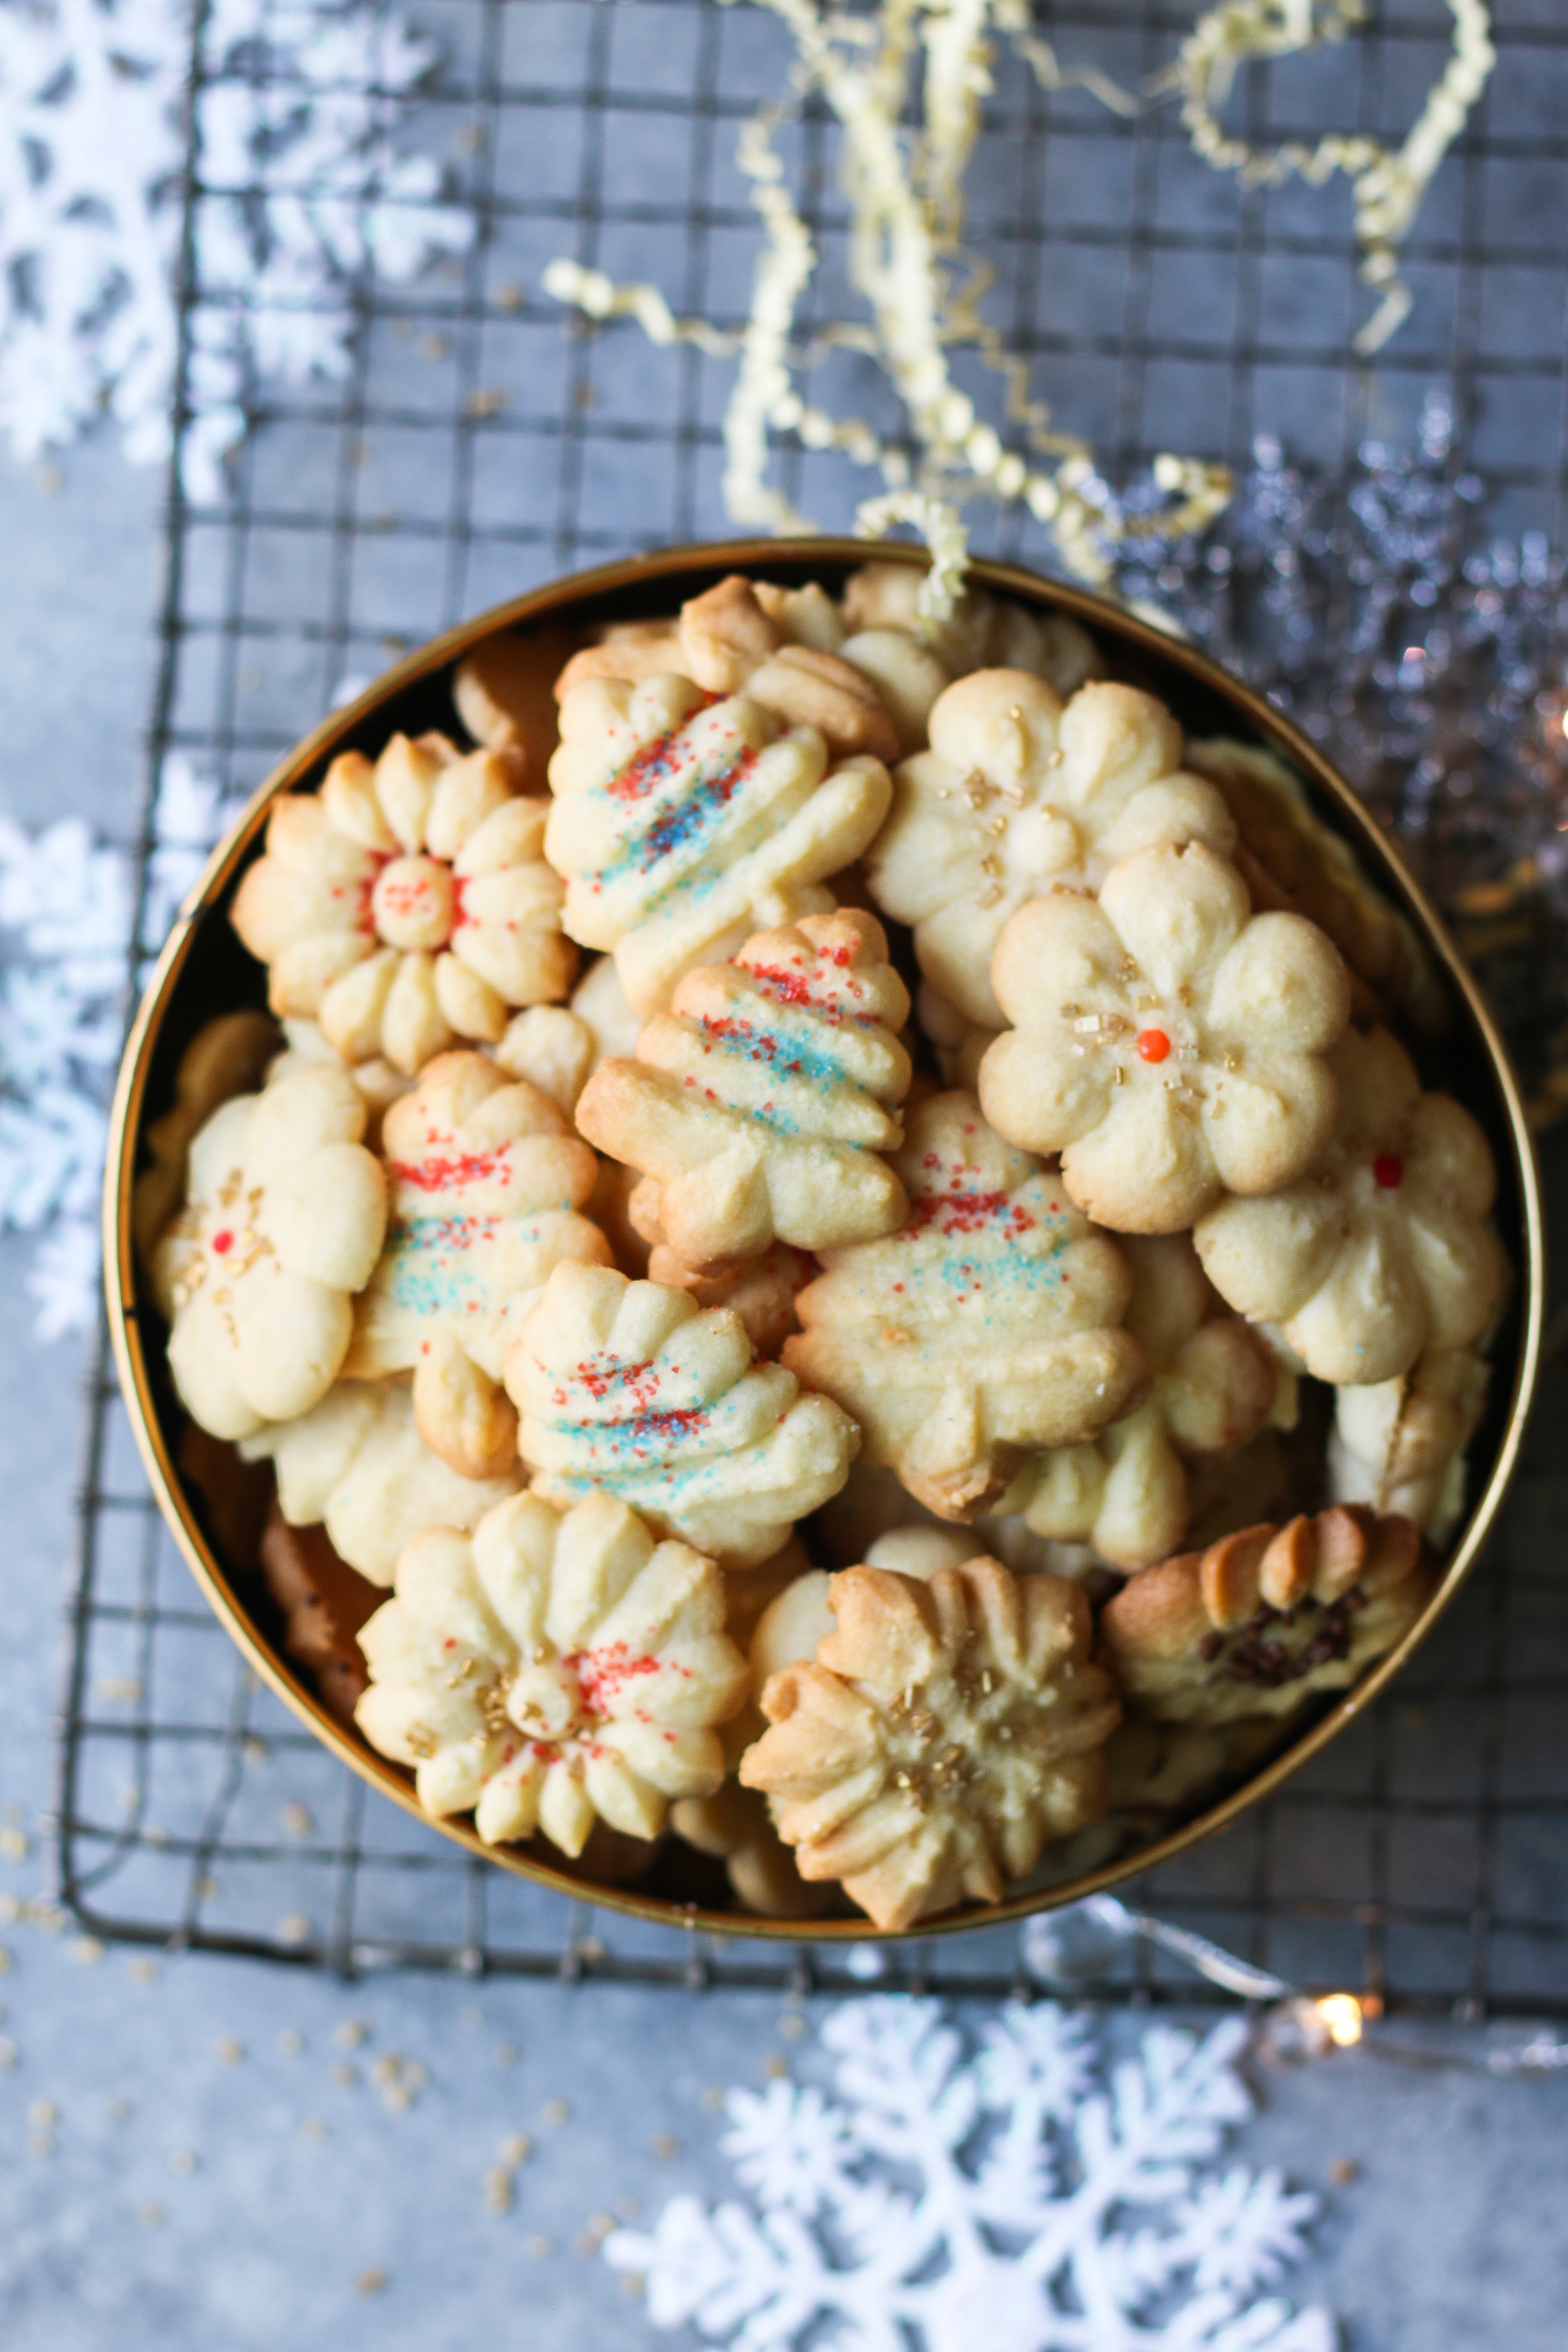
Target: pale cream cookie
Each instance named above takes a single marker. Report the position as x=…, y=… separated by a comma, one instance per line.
x=225, y=1057
x=1215, y=1384
x=630, y=1387
x=1167, y=1042
x=487, y=1182
x=407, y=903
x=989, y=1326
x=285, y=1212
x=983, y=632
x=1015, y=793
x=764, y=1101
x=357, y=1464
x=944, y=1735
x=762, y=1291
x=1399, y=1445
x=1384, y=1250
x=505, y=693
x=959, y=1043
x=552, y=1048
x=683, y=824
x=305, y=1048
x=727, y=642
x=550, y=1669
x=1268, y=1618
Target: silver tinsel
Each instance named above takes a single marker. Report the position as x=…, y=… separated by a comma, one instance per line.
x=1431, y=664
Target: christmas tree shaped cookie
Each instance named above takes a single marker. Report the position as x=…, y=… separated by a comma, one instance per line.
x=988, y=1326
x=761, y=1102
x=682, y=825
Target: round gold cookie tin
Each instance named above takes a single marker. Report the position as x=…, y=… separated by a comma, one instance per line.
x=203, y=971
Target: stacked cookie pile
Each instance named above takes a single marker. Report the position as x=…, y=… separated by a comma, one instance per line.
x=905, y=1365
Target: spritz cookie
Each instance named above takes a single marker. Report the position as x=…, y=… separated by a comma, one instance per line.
x=630, y=1387
x=763, y=1102
x=1166, y=1041
x=1015, y=793
x=486, y=1182
x=285, y=1210
x=407, y=905
x=552, y=1669
x=944, y=1735
x=1265, y=1619
x=988, y=1326
x=683, y=824
x=357, y=1466
x=1399, y=1445
x=1384, y=1250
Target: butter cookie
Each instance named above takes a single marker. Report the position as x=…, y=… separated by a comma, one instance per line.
x=487, y=1181
x=1265, y=1619
x=683, y=824
x=550, y=1669
x=987, y=1327
x=630, y=1387
x=1399, y=1445
x=285, y=1212
x=944, y=1735
x=762, y=1101
x=407, y=903
x=1168, y=1042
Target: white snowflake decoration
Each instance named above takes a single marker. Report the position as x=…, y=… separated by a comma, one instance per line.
x=1003, y=2200
x=306, y=190
x=65, y=920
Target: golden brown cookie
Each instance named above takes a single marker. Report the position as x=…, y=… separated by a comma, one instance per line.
x=1265, y=1619
x=944, y=1735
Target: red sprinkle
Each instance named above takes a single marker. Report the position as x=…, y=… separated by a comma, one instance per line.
x=222, y=1242
x=1153, y=1045
x=1388, y=1170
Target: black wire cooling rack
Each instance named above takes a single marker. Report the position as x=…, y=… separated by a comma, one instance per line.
x=480, y=443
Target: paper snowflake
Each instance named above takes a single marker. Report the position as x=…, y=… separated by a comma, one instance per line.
x=1016, y=2197
x=304, y=191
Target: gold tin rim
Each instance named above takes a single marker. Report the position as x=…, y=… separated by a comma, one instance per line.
x=599, y=586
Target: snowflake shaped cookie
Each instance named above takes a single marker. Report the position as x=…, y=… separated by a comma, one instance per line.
x=407, y=905
x=761, y=1101
x=357, y=1466
x=486, y=1181
x=283, y=1221
x=1046, y=2188
x=988, y=1326
x=1264, y=1620
x=551, y=1670
x=1384, y=1250
x=683, y=824
x=1168, y=1042
x=945, y=1734
x=1215, y=1384
x=1014, y=792
x=631, y=1387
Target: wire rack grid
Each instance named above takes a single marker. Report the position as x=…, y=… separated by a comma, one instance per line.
x=480, y=443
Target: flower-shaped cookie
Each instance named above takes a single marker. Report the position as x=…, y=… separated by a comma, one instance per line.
x=683, y=824
x=987, y=1327
x=631, y=1387
x=762, y=1100
x=550, y=1670
x=727, y=642
x=228, y=1056
x=1264, y=1620
x=486, y=1180
x=944, y=1735
x=983, y=632
x=1167, y=1042
x=407, y=905
x=1399, y=1445
x=357, y=1464
x=1384, y=1250
x=1014, y=792
x=283, y=1221
x=1214, y=1383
